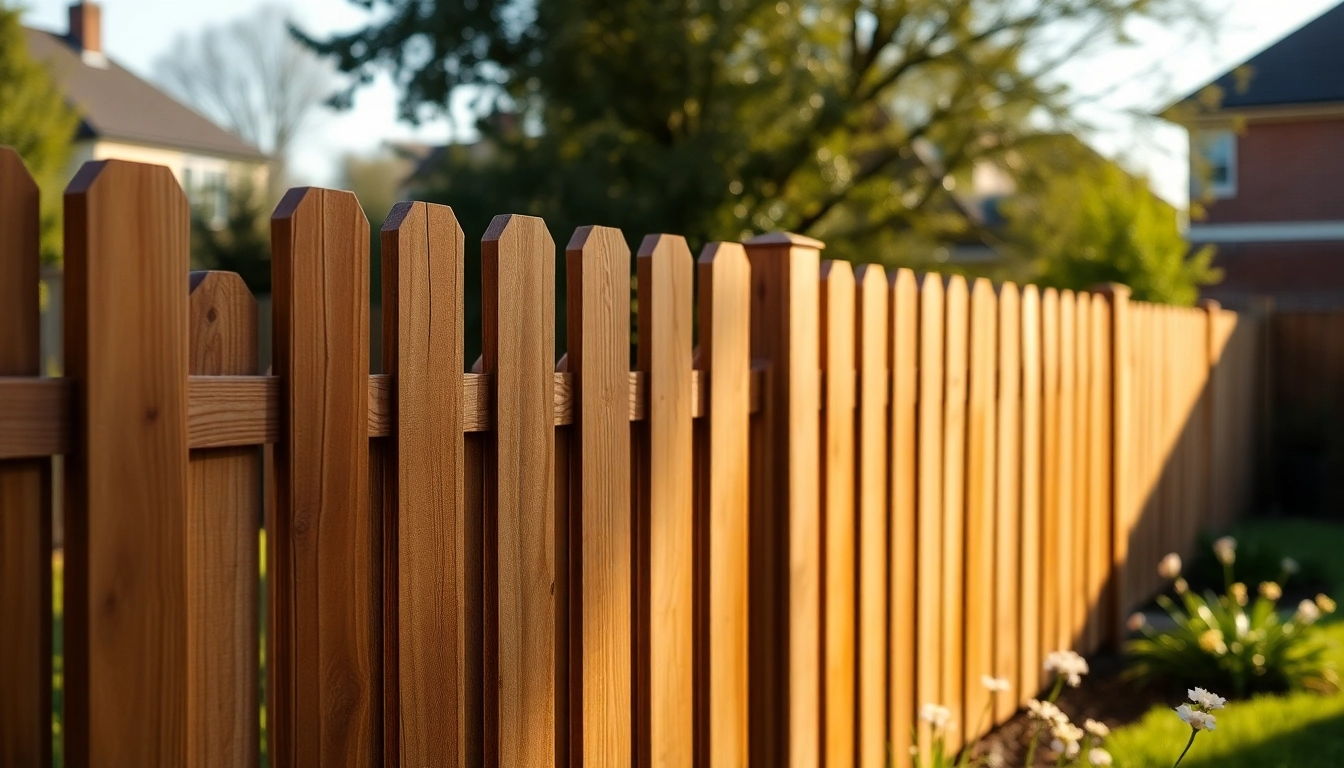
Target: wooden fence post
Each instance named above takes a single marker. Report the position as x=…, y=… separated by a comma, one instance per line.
x=598, y=327
x=722, y=536
x=126, y=588
x=324, y=546
x=518, y=310
x=785, y=617
x=1122, y=477
x=432, y=710
x=225, y=493
x=25, y=492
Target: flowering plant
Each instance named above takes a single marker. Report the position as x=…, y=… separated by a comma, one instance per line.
x=937, y=718
x=1198, y=715
x=1235, y=641
x=1070, y=744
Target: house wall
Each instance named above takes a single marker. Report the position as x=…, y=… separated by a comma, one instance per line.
x=175, y=160
x=1286, y=171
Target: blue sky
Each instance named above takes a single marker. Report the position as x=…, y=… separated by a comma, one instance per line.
x=136, y=32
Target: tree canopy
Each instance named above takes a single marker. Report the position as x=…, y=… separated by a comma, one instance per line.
x=36, y=122
x=845, y=120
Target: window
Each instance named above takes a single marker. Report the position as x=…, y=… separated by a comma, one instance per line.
x=207, y=191
x=1215, y=173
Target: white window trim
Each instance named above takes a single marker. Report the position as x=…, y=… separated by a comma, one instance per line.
x=1268, y=232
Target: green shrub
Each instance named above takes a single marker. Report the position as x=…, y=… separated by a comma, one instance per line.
x=1238, y=641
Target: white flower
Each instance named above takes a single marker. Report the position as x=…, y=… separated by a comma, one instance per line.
x=1170, y=567
x=1046, y=712
x=1098, y=756
x=1308, y=612
x=935, y=715
x=1205, y=700
x=1067, y=664
x=995, y=760
x=994, y=684
x=1136, y=622
x=1200, y=721
x=1290, y=566
x=1097, y=729
x=1066, y=748
x=1225, y=549
x=1067, y=732
x=1270, y=591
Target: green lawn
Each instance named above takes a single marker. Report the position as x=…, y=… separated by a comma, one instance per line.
x=1301, y=730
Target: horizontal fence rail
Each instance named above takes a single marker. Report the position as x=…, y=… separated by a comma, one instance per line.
x=812, y=497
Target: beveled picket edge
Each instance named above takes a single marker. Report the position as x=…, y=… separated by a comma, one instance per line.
x=36, y=413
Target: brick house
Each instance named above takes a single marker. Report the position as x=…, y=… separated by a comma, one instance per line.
x=1267, y=169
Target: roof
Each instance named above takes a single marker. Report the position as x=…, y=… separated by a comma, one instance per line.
x=114, y=103
x=1306, y=67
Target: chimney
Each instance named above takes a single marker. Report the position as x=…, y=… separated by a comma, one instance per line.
x=86, y=28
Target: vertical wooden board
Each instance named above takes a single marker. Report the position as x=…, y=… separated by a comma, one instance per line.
x=930, y=601
x=225, y=489
x=1119, y=412
x=1008, y=502
x=785, y=619
x=326, y=582
x=664, y=268
x=722, y=449
x=425, y=515
x=1050, y=474
x=978, y=604
x=1082, y=476
x=1064, y=555
x=955, y=363
x=25, y=491
x=838, y=526
x=126, y=594
x=902, y=416
x=1029, y=645
x=518, y=314
x=1100, y=574
x=871, y=506
x=598, y=272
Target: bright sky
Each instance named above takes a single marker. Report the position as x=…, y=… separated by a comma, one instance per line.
x=136, y=32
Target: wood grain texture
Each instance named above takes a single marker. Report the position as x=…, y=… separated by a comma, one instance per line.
x=224, y=507
x=598, y=279
x=929, y=648
x=1063, y=556
x=665, y=273
x=1051, y=504
x=1100, y=574
x=785, y=617
x=126, y=590
x=25, y=489
x=901, y=511
x=325, y=548
x=838, y=512
x=955, y=389
x=518, y=308
x=1008, y=504
x=432, y=707
x=1029, y=645
x=722, y=488
x=871, y=350
x=1080, y=429
x=980, y=629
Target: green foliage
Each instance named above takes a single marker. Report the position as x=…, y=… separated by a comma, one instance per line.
x=36, y=122
x=847, y=121
x=1237, y=642
x=241, y=244
x=1088, y=222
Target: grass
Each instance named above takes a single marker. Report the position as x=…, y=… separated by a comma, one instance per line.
x=1300, y=730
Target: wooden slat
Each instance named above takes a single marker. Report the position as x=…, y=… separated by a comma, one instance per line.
x=598, y=280
x=722, y=544
x=1050, y=475
x=1029, y=645
x=871, y=350
x=665, y=521
x=518, y=308
x=1100, y=576
x=230, y=411
x=324, y=546
x=902, y=417
x=25, y=489
x=838, y=518
x=1008, y=504
x=785, y=525
x=431, y=706
x=222, y=515
x=957, y=335
x=1063, y=556
x=929, y=647
x=980, y=629
x=1082, y=445
x=126, y=592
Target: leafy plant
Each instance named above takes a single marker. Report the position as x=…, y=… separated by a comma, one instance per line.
x=1231, y=641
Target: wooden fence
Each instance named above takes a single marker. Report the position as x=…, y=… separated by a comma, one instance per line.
x=826, y=494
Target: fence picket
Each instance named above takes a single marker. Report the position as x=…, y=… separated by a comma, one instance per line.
x=1032, y=622
x=1100, y=579
x=1050, y=480
x=955, y=375
x=1063, y=556
x=930, y=602
x=980, y=629
x=901, y=514
x=1082, y=470
x=1008, y=504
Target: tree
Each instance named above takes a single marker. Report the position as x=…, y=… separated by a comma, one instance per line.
x=253, y=78
x=717, y=118
x=241, y=243
x=1091, y=222
x=36, y=122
